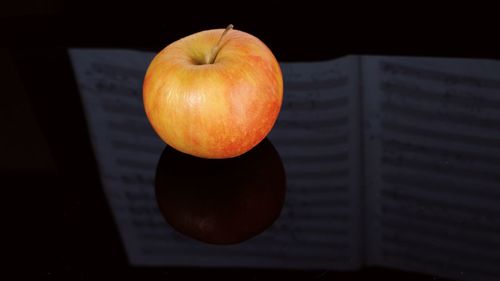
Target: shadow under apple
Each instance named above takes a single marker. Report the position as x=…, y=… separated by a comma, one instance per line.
x=221, y=201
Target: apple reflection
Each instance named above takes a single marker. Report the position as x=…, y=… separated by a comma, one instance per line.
x=221, y=201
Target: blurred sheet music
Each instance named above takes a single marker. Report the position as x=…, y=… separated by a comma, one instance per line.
x=433, y=164
x=318, y=227
x=318, y=137
x=390, y=161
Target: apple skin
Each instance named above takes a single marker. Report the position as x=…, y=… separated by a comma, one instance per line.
x=218, y=110
x=221, y=201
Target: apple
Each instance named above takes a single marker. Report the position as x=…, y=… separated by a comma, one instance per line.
x=213, y=94
x=221, y=201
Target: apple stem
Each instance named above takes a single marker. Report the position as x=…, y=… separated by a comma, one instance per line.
x=216, y=48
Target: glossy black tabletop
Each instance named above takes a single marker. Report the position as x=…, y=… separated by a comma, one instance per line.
x=379, y=166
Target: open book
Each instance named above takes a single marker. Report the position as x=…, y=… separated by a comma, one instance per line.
x=390, y=161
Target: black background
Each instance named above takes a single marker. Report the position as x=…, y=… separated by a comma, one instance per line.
x=77, y=239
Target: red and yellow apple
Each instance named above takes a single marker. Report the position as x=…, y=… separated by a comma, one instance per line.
x=213, y=94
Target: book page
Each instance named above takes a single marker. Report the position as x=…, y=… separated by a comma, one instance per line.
x=317, y=136
x=432, y=143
